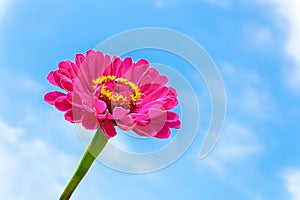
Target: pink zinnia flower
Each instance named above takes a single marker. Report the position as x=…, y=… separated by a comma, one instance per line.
x=106, y=91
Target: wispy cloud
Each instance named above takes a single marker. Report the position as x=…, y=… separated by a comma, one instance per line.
x=159, y=4
x=3, y=7
x=36, y=160
x=258, y=36
x=237, y=144
x=30, y=167
x=250, y=103
x=248, y=96
x=292, y=182
x=288, y=11
x=219, y=3
x=18, y=89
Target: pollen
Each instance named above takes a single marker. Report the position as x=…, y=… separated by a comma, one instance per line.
x=118, y=91
x=105, y=92
x=103, y=79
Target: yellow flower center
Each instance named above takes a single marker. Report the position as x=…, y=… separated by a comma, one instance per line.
x=118, y=91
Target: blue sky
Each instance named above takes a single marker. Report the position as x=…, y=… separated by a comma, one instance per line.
x=255, y=47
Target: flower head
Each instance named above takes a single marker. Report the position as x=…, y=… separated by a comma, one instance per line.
x=100, y=90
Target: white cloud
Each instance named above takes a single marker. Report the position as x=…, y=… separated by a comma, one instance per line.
x=30, y=168
x=14, y=86
x=3, y=6
x=250, y=97
x=292, y=182
x=219, y=3
x=288, y=10
x=11, y=81
x=29, y=85
x=237, y=144
x=263, y=35
x=256, y=103
x=258, y=36
x=159, y=4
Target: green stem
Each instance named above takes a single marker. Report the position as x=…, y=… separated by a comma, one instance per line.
x=96, y=146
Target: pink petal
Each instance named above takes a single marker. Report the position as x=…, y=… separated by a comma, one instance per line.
x=161, y=80
x=142, y=62
x=50, y=97
x=102, y=117
x=174, y=124
x=116, y=63
x=119, y=113
x=170, y=103
x=90, y=122
x=123, y=120
x=95, y=64
x=172, y=92
x=126, y=65
x=76, y=114
x=148, y=105
x=126, y=123
x=135, y=74
x=89, y=51
x=57, y=77
x=143, y=123
x=73, y=69
x=147, y=131
x=163, y=133
x=149, y=88
x=156, y=78
x=141, y=115
x=67, y=84
x=70, y=117
x=109, y=116
x=171, y=116
x=92, y=68
x=65, y=67
x=153, y=73
x=79, y=58
x=145, y=80
x=81, y=91
x=68, y=68
x=51, y=79
x=70, y=97
x=173, y=120
x=108, y=129
x=156, y=94
x=157, y=112
x=62, y=104
x=100, y=106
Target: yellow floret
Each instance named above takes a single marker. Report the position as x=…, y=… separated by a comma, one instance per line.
x=134, y=97
x=105, y=92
